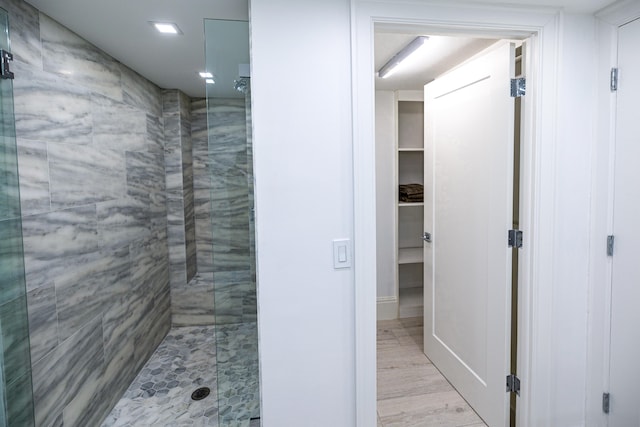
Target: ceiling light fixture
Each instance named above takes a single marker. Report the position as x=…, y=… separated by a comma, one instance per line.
x=166, y=27
x=391, y=65
x=209, y=81
x=205, y=75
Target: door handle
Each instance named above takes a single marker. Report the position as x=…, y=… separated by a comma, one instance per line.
x=426, y=237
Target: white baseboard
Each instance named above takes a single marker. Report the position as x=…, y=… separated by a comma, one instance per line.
x=387, y=308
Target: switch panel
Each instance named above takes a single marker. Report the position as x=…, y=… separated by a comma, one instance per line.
x=342, y=253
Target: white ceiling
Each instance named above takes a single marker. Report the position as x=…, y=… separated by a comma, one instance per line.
x=120, y=28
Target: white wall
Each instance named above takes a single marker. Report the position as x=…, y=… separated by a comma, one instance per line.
x=301, y=91
x=303, y=168
x=385, y=193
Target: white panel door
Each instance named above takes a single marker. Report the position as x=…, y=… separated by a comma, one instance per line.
x=625, y=298
x=469, y=118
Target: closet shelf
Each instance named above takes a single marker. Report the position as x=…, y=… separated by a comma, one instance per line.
x=410, y=256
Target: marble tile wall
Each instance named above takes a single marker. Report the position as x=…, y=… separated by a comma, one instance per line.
x=90, y=137
x=222, y=197
x=231, y=211
x=202, y=185
x=191, y=281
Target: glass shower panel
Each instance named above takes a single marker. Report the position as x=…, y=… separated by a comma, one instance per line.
x=16, y=403
x=231, y=171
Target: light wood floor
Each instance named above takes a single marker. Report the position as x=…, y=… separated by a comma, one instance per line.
x=411, y=391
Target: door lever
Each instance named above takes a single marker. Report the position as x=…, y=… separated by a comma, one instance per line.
x=426, y=237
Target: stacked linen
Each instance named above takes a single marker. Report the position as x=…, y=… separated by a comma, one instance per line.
x=411, y=193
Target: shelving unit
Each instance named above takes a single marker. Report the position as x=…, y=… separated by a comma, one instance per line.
x=409, y=216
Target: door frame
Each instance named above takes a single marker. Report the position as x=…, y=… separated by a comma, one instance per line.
x=608, y=22
x=543, y=26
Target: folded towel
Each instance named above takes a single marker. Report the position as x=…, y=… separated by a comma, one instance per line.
x=411, y=193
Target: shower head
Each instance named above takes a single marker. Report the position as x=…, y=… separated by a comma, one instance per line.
x=241, y=85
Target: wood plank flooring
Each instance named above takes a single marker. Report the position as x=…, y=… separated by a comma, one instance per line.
x=411, y=391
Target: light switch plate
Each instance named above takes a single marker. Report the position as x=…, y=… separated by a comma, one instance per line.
x=342, y=253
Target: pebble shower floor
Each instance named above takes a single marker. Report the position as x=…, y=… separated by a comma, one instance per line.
x=160, y=396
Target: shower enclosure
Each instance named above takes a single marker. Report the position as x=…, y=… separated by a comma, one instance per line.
x=16, y=406
x=232, y=221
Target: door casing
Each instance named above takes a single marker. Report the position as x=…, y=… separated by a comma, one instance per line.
x=542, y=27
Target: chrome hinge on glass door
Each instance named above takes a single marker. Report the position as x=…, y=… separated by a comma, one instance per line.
x=5, y=57
x=426, y=237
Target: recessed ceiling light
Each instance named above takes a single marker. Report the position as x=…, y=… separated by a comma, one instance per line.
x=206, y=75
x=166, y=27
x=209, y=81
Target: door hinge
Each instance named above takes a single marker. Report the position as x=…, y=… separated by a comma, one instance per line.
x=606, y=400
x=613, y=83
x=518, y=87
x=610, y=242
x=515, y=239
x=5, y=57
x=513, y=384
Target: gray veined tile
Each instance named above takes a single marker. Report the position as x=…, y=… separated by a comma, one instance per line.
x=120, y=321
x=59, y=375
x=57, y=242
x=89, y=289
x=35, y=196
x=85, y=174
x=185, y=106
x=122, y=221
x=119, y=126
x=20, y=401
x=15, y=339
x=95, y=400
x=140, y=92
x=12, y=274
x=9, y=185
x=145, y=174
x=172, y=131
x=43, y=320
x=149, y=332
x=170, y=101
x=193, y=304
x=24, y=30
x=155, y=133
x=199, y=117
x=48, y=108
x=71, y=57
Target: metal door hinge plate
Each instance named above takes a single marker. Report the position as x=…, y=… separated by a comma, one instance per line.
x=606, y=400
x=613, y=83
x=5, y=58
x=610, y=242
x=513, y=384
x=515, y=239
x=518, y=87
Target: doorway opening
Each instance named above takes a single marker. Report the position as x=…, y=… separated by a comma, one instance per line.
x=408, y=200
x=541, y=27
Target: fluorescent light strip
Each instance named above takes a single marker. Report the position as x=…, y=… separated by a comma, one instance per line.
x=388, y=68
x=205, y=75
